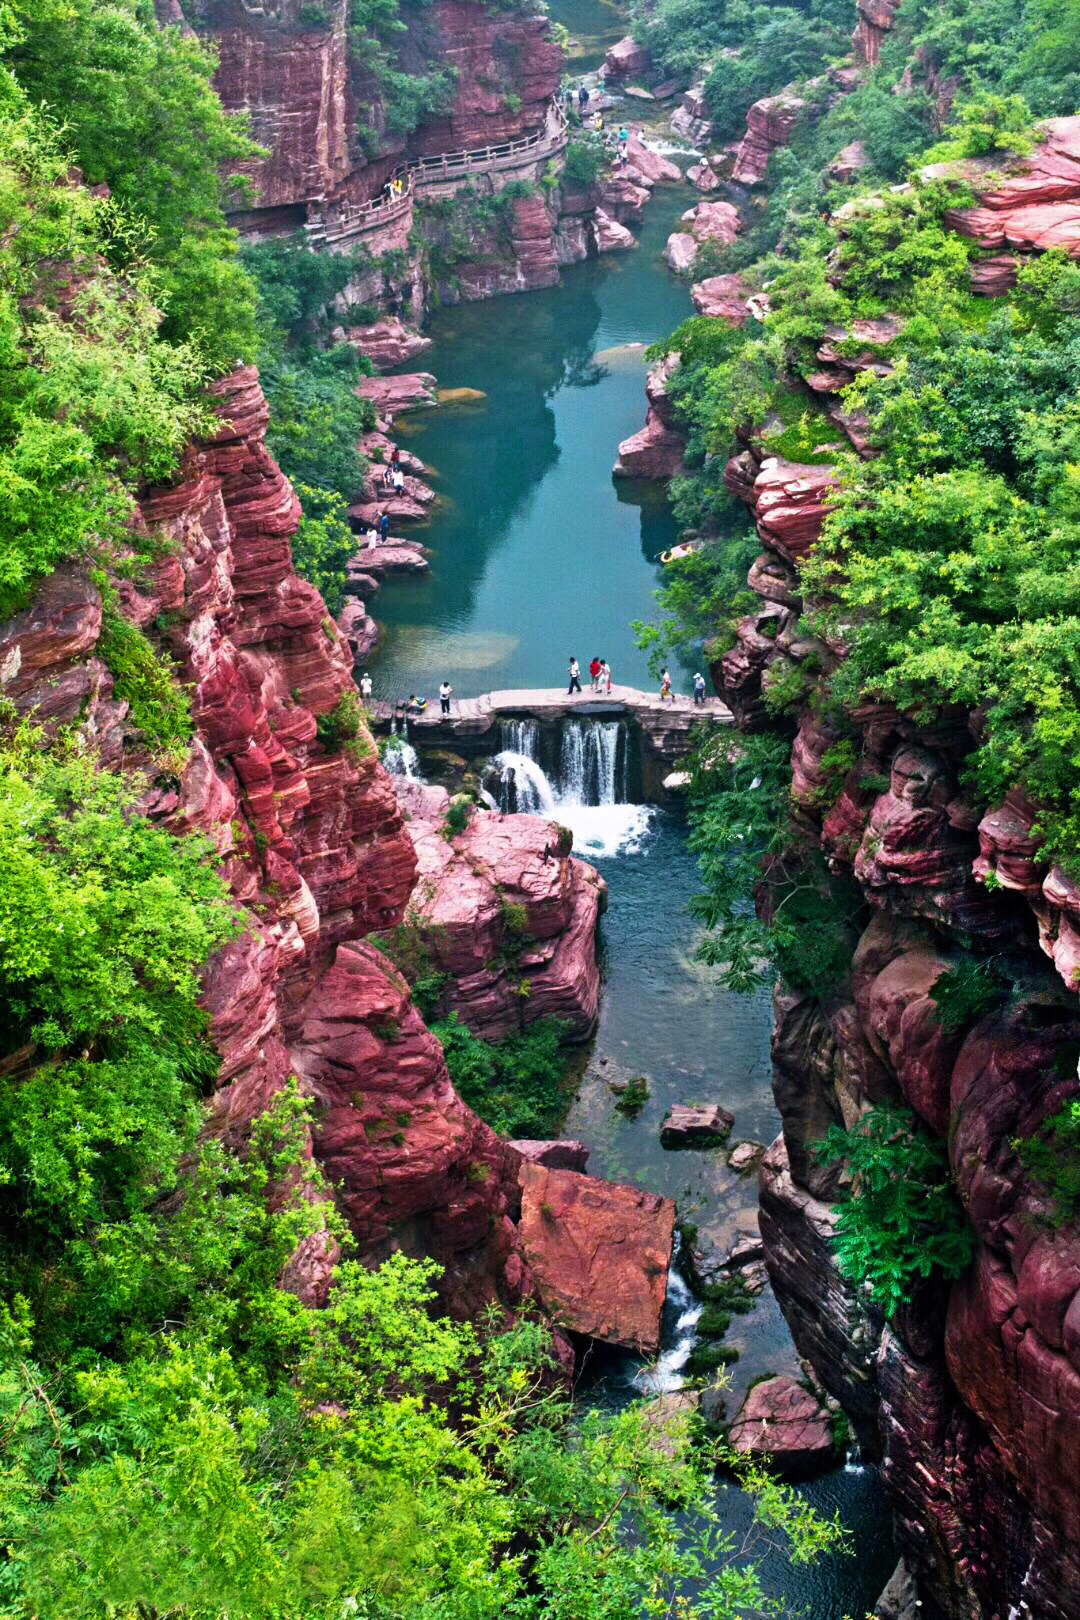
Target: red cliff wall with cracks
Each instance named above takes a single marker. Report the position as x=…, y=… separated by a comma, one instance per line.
x=313, y=846
x=971, y=1397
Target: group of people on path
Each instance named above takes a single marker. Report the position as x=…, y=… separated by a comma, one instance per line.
x=599, y=676
x=667, y=691
x=393, y=189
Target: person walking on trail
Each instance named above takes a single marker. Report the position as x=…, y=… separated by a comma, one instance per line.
x=583, y=96
x=446, y=692
x=395, y=456
x=365, y=688
x=594, y=674
x=575, y=678
x=624, y=136
x=699, y=690
x=397, y=478
x=384, y=527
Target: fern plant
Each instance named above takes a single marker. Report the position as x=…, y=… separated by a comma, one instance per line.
x=902, y=1223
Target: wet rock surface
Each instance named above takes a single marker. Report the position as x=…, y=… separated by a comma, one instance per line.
x=783, y=1425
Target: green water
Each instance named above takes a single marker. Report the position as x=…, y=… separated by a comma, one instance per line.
x=538, y=552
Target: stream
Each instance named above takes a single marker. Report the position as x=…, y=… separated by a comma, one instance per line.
x=540, y=554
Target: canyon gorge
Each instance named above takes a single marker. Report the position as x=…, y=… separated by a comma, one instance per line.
x=455, y=998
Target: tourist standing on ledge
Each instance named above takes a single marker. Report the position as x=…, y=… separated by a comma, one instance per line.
x=575, y=678
x=446, y=692
x=666, y=694
x=699, y=690
x=605, y=676
x=594, y=673
x=365, y=687
x=384, y=527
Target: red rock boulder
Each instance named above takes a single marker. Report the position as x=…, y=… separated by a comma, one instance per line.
x=599, y=1254
x=784, y=1426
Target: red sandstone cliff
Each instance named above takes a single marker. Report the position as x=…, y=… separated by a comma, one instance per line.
x=971, y=1396
x=314, y=848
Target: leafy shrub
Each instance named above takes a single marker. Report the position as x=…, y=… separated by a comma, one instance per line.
x=902, y=1223
x=457, y=817
x=965, y=993
x=342, y=724
x=146, y=681
x=516, y=1084
x=1052, y=1158
x=585, y=160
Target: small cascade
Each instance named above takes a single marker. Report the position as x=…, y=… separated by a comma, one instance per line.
x=853, y=1463
x=589, y=791
x=401, y=759
x=681, y=1313
x=524, y=788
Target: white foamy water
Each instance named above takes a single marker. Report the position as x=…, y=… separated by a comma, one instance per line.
x=590, y=795
x=665, y=1374
x=400, y=759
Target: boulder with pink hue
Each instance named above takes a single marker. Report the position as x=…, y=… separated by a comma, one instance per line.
x=609, y=236
x=657, y=450
x=849, y=163
x=564, y=1154
x=688, y=1126
x=599, y=1254
x=1058, y=913
x=377, y=560
x=713, y=222
x=649, y=165
x=624, y=197
x=393, y=396
x=1037, y=206
x=914, y=858
x=703, y=176
x=723, y=298
x=681, y=251
x=770, y=123
x=358, y=627
x=790, y=504
x=507, y=912
x=994, y=276
x=784, y=1426
x=388, y=342
x=691, y=118
x=626, y=59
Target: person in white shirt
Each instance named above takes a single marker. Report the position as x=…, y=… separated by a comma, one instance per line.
x=575, y=678
x=446, y=692
x=365, y=687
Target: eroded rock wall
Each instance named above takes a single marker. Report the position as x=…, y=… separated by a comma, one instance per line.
x=314, y=848
x=970, y=1395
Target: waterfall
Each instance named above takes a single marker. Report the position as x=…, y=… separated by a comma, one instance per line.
x=400, y=758
x=525, y=790
x=589, y=790
x=682, y=1310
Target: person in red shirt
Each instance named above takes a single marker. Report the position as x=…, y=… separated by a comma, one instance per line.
x=594, y=673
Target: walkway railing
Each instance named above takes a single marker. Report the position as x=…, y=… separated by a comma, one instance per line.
x=349, y=220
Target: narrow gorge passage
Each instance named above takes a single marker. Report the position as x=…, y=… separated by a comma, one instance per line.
x=537, y=554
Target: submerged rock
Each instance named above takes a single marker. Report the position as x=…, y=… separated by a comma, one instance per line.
x=563, y=1154
x=687, y=1127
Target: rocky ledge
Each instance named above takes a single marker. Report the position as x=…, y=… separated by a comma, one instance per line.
x=507, y=914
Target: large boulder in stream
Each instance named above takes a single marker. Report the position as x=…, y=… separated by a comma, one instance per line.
x=599, y=1254
x=783, y=1424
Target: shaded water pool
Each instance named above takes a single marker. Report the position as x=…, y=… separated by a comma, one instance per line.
x=538, y=553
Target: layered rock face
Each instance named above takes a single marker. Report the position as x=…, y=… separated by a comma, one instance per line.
x=314, y=848
x=874, y=21
x=969, y=1396
x=292, y=81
